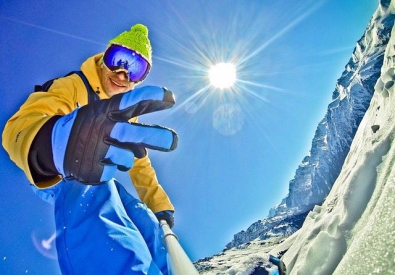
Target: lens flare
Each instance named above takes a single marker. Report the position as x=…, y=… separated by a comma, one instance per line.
x=45, y=245
x=228, y=119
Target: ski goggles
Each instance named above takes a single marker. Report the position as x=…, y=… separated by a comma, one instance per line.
x=118, y=58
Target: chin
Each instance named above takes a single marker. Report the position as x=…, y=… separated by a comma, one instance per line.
x=112, y=93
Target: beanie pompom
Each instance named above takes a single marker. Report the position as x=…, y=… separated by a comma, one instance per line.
x=140, y=28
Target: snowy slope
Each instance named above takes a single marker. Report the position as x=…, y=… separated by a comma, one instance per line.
x=352, y=231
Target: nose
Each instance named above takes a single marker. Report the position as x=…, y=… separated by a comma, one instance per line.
x=122, y=75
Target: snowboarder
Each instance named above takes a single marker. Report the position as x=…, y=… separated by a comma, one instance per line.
x=70, y=149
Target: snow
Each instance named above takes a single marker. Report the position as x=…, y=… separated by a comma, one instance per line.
x=239, y=261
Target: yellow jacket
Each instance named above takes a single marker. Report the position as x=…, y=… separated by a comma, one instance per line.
x=62, y=98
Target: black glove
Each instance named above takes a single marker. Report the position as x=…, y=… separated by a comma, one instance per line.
x=93, y=141
x=167, y=216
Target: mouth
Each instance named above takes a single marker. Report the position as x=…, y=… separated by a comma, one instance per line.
x=117, y=84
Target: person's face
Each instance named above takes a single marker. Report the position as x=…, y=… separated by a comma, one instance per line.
x=115, y=83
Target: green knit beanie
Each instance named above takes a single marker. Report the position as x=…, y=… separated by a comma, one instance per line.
x=136, y=39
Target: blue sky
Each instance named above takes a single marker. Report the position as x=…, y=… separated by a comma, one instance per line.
x=238, y=148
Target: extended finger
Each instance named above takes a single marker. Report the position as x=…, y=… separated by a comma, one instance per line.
x=141, y=101
x=134, y=136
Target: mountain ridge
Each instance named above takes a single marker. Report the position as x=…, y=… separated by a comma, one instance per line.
x=318, y=171
x=338, y=215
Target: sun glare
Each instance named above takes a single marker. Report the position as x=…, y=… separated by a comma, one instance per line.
x=228, y=68
x=222, y=75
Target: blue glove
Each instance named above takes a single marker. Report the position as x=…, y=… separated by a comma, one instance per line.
x=93, y=141
x=166, y=215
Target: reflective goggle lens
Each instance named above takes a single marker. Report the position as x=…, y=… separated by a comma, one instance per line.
x=120, y=58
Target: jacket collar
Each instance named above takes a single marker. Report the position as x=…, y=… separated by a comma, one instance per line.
x=92, y=70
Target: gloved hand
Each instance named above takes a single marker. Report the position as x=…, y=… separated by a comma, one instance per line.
x=93, y=141
x=166, y=215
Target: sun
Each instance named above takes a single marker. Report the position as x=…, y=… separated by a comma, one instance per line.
x=222, y=75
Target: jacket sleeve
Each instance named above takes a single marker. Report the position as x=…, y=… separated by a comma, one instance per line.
x=21, y=129
x=149, y=190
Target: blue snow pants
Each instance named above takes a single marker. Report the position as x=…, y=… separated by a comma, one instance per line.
x=104, y=230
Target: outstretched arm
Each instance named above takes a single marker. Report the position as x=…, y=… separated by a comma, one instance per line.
x=22, y=128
